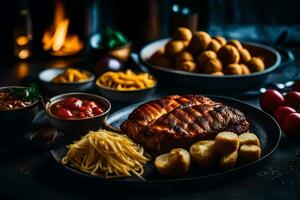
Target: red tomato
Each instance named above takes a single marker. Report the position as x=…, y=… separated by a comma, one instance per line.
x=82, y=115
x=291, y=124
x=91, y=104
x=293, y=99
x=296, y=87
x=97, y=111
x=64, y=113
x=281, y=112
x=270, y=100
x=73, y=103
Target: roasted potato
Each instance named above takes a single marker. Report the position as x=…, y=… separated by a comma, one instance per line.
x=256, y=64
x=199, y=42
x=249, y=138
x=233, y=69
x=203, y=154
x=245, y=69
x=228, y=161
x=161, y=60
x=221, y=40
x=205, y=56
x=228, y=54
x=174, y=47
x=188, y=66
x=174, y=163
x=183, y=56
x=236, y=44
x=211, y=66
x=249, y=152
x=245, y=55
x=214, y=45
x=183, y=34
x=226, y=142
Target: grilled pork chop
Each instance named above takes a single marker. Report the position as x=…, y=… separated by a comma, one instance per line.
x=179, y=121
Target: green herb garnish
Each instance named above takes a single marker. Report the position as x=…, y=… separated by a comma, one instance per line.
x=112, y=39
x=30, y=93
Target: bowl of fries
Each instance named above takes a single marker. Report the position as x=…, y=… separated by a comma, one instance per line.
x=126, y=86
x=66, y=80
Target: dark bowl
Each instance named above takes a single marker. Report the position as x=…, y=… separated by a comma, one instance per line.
x=126, y=96
x=215, y=84
x=18, y=119
x=47, y=75
x=77, y=127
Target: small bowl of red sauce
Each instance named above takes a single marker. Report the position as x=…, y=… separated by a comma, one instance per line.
x=77, y=113
x=16, y=112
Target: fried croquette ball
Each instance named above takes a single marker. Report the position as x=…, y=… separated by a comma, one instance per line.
x=183, y=56
x=233, y=69
x=212, y=65
x=214, y=45
x=245, y=55
x=256, y=64
x=221, y=40
x=217, y=74
x=226, y=142
x=174, y=47
x=245, y=69
x=183, y=34
x=161, y=60
x=228, y=54
x=199, y=41
x=206, y=56
x=188, y=66
x=236, y=44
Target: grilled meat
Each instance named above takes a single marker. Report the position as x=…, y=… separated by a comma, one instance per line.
x=179, y=121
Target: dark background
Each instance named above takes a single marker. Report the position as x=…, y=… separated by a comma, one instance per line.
x=143, y=21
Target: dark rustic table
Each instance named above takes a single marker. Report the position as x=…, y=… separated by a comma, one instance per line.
x=28, y=171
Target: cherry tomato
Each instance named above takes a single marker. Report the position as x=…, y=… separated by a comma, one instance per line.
x=91, y=104
x=293, y=99
x=97, y=111
x=73, y=103
x=64, y=113
x=281, y=112
x=291, y=124
x=296, y=86
x=270, y=100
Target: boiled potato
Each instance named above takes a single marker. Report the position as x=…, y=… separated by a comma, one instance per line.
x=249, y=138
x=228, y=161
x=214, y=45
x=204, y=154
x=249, y=152
x=236, y=44
x=221, y=40
x=233, y=69
x=183, y=34
x=256, y=64
x=212, y=65
x=226, y=142
x=199, y=42
x=245, y=69
x=174, y=47
x=188, y=66
x=217, y=74
x=174, y=163
x=183, y=56
x=205, y=56
x=228, y=54
x=244, y=55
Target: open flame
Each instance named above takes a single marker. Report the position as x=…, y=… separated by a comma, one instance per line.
x=56, y=39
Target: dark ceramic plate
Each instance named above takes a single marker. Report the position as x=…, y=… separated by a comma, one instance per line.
x=262, y=124
x=217, y=84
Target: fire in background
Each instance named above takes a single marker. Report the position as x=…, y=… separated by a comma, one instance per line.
x=56, y=39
